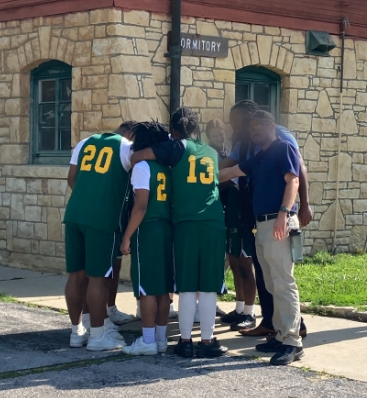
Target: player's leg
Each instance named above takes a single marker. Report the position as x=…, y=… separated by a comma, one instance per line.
x=211, y=282
x=100, y=254
x=186, y=252
x=116, y=316
x=77, y=282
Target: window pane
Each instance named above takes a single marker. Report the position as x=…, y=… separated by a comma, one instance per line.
x=47, y=115
x=262, y=94
x=47, y=140
x=47, y=90
x=65, y=89
x=65, y=140
x=65, y=115
x=242, y=92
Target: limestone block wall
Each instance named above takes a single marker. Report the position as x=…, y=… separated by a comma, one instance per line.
x=120, y=72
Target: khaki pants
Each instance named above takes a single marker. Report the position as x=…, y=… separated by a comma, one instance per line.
x=276, y=263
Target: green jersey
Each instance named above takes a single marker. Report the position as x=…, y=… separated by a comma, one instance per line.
x=101, y=185
x=195, y=186
x=156, y=178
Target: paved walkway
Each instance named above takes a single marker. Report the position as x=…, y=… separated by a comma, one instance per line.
x=335, y=346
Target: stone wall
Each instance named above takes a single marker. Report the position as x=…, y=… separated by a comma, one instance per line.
x=120, y=72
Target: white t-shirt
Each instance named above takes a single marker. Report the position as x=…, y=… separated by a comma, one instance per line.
x=140, y=176
x=125, y=153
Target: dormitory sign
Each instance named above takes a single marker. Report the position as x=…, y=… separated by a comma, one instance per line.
x=206, y=46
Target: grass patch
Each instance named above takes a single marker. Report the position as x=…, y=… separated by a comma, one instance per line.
x=325, y=279
x=4, y=298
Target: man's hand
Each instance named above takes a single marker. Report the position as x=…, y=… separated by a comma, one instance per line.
x=125, y=246
x=305, y=214
x=280, y=226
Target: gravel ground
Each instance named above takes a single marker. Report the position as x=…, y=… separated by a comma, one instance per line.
x=156, y=376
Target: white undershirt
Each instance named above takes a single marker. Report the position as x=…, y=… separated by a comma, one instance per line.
x=125, y=153
x=140, y=176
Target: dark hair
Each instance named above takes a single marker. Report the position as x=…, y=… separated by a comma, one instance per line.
x=246, y=105
x=146, y=134
x=185, y=122
x=128, y=125
x=214, y=124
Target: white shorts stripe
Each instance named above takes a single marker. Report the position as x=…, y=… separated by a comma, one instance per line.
x=110, y=271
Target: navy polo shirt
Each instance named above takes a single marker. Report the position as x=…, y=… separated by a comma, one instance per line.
x=267, y=170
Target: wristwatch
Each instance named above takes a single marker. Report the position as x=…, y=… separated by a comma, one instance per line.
x=283, y=209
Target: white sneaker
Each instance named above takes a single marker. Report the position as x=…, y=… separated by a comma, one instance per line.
x=138, y=347
x=197, y=316
x=79, y=340
x=138, y=313
x=162, y=346
x=172, y=311
x=118, y=317
x=112, y=330
x=105, y=343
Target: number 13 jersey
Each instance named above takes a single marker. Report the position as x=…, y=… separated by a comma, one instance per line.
x=102, y=182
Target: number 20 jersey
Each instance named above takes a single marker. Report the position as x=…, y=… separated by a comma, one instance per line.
x=101, y=184
x=195, y=186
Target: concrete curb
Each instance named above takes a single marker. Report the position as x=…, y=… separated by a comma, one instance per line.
x=339, y=312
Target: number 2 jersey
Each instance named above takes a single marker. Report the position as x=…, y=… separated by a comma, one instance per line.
x=155, y=178
x=102, y=182
x=195, y=181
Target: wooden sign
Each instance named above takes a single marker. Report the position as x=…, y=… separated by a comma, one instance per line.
x=205, y=46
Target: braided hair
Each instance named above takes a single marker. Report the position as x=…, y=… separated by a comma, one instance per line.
x=184, y=122
x=147, y=134
x=246, y=106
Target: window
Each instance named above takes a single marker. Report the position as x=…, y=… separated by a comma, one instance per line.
x=260, y=85
x=51, y=113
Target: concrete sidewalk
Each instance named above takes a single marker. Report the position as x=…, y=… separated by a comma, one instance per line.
x=335, y=346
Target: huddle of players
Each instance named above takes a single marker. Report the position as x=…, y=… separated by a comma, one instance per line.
x=176, y=211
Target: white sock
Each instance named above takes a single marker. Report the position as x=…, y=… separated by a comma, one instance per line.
x=78, y=329
x=110, y=309
x=249, y=310
x=186, y=313
x=97, y=333
x=208, y=309
x=240, y=307
x=160, y=333
x=197, y=305
x=149, y=335
x=86, y=320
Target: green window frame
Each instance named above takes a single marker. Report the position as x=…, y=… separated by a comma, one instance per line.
x=51, y=107
x=261, y=85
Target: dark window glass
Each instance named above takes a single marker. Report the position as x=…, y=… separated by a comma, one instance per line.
x=52, y=112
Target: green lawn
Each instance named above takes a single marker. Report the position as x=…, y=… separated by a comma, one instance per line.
x=324, y=279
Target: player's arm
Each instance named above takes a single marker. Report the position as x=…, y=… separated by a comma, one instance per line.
x=227, y=162
x=136, y=218
x=73, y=171
x=230, y=173
x=144, y=154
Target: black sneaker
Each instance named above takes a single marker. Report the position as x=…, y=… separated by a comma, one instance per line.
x=272, y=345
x=184, y=349
x=286, y=355
x=246, y=322
x=231, y=317
x=211, y=350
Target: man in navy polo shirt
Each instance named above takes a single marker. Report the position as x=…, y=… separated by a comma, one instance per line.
x=275, y=175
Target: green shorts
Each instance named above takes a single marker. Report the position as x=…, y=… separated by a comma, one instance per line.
x=90, y=249
x=152, y=258
x=199, y=257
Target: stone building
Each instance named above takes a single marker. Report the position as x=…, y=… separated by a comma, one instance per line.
x=66, y=73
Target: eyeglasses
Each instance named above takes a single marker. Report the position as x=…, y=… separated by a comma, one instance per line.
x=259, y=126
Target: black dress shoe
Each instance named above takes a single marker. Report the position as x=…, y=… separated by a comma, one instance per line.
x=230, y=317
x=184, y=349
x=286, y=355
x=272, y=345
x=303, y=330
x=246, y=322
x=211, y=350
